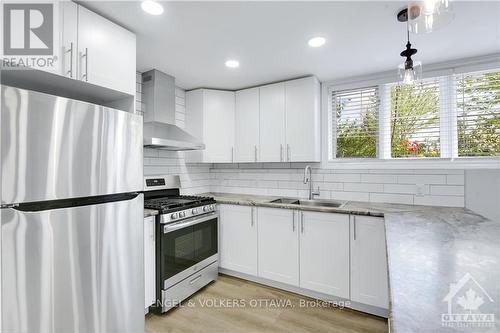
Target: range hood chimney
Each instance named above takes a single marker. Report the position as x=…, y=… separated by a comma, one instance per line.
x=160, y=130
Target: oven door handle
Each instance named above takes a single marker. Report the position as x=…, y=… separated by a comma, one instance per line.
x=189, y=222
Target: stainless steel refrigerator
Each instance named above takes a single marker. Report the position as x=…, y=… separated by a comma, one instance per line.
x=71, y=216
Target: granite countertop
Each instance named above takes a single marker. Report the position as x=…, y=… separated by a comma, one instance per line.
x=428, y=249
x=150, y=212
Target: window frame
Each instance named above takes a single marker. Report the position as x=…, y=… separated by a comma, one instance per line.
x=448, y=133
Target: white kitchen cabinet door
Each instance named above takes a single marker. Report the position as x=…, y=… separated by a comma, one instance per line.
x=369, y=283
x=272, y=123
x=66, y=60
x=247, y=125
x=106, y=53
x=149, y=262
x=238, y=238
x=303, y=120
x=218, y=123
x=210, y=118
x=324, y=253
x=278, y=245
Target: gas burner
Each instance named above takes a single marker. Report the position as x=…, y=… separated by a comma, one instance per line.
x=174, y=203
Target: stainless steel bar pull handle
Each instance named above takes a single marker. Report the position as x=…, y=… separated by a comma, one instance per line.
x=255, y=153
x=288, y=152
x=70, y=51
x=232, y=154
x=302, y=222
x=281, y=152
x=253, y=216
x=354, y=227
x=293, y=221
x=195, y=279
x=86, y=56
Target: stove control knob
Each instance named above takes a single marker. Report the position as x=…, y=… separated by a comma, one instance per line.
x=205, y=208
x=173, y=216
x=212, y=207
x=194, y=211
x=182, y=214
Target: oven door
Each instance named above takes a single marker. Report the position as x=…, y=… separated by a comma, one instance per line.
x=186, y=247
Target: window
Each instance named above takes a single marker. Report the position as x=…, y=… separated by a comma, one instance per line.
x=448, y=116
x=356, y=114
x=478, y=114
x=414, y=116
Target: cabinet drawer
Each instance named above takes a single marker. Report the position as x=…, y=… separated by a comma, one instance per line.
x=188, y=286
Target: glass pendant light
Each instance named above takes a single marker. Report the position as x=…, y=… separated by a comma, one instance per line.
x=429, y=15
x=410, y=71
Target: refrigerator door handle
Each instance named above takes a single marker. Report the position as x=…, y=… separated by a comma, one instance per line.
x=73, y=202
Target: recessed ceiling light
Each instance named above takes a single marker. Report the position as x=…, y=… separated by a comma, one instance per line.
x=152, y=7
x=232, y=63
x=316, y=41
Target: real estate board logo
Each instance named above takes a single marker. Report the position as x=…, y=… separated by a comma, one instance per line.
x=466, y=299
x=28, y=34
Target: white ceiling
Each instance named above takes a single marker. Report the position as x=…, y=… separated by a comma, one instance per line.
x=192, y=40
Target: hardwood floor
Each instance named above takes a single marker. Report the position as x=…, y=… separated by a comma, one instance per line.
x=232, y=305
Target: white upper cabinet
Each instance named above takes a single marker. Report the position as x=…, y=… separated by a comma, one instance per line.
x=247, y=125
x=302, y=120
x=272, y=123
x=210, y=118
x=369, y=283
x=324, y=253
x=238, y=238
x=278, y=246
x=106, y=53
x=95, y=50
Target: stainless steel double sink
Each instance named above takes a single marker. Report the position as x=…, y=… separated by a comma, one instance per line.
x=310, y=203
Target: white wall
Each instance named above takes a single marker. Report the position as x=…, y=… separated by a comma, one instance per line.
x=482, y=192
x=439, y=187
x=195, y=178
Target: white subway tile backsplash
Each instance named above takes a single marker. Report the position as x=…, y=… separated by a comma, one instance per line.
x=404, y=188
x=350, y=196
x=455, y=179
x=342, y=177
x=422, y=179
x=393, y=198
x=447, y=190
x=363, y=187
x=396, y=187
x=379, y=178
x=440, y=200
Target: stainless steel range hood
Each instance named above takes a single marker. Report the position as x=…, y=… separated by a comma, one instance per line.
x=160, y=130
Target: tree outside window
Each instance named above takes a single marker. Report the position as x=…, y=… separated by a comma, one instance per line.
x=415, y=120
x=478, y=111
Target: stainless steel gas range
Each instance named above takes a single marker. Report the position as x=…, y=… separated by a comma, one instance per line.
x=186, y=238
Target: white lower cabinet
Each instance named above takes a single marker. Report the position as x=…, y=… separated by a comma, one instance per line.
x=238, y=238
x=369, y=283
x=334, y=254
x=149, y=261
x=324, y=253
x=278, y=245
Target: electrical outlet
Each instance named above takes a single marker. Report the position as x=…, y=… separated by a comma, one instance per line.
x=420, y=190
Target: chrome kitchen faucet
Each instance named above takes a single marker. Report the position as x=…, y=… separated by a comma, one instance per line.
x=308, y=178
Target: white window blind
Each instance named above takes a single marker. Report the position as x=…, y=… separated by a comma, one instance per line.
x=448, y=116
x=478, y=114
x=355, y=114
x=414, y=119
